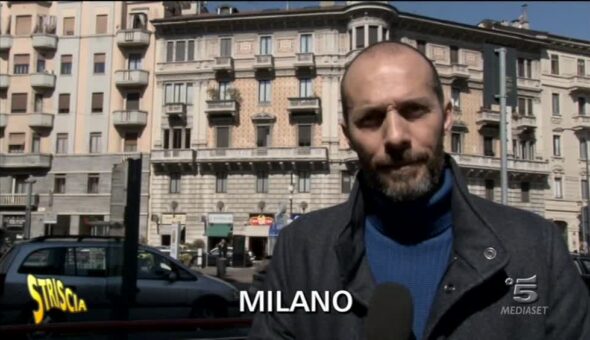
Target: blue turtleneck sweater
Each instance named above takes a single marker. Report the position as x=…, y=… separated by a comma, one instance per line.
x=410, y=243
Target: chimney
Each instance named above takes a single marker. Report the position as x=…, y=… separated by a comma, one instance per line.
x=524, y=17
x=327, y=3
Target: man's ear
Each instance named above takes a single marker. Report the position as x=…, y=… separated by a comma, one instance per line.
x=448, y=116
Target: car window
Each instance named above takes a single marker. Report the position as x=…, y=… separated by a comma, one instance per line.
x=91, y=261
x=48, y=261
x=587, y=265
x=6, y=259
x=152, y=267
x=578, y=267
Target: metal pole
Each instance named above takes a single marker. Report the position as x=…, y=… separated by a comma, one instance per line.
x=27, y=230
x=503, y=140
x=584, y=240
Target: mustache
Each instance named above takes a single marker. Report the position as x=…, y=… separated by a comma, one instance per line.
x=396, y=160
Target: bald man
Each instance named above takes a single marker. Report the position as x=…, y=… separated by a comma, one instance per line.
x=474, y=268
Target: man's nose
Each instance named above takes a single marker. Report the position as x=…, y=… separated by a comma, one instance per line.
x=395, y=130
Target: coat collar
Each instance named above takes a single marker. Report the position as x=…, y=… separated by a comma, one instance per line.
x=475, y=243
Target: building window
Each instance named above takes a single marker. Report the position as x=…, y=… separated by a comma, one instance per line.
x=134, y=61
x=263, y=136
x=97, y=99
x=64, y=103
x=221, y=183
x=304, y=135
x=93, y=181
x=264, y=91
x=18, y=103
x=132, y=101
x=101, y=24
x=95, y=142
x=35, y=143
x=61, y=143
x=421, y=46
x=21, y=63
x=38, y=102
x=130, y=142
x=490, y=189
x=262, y=182
x=304, y=181
x=524, y=192
x=180, y=51
x=488, y=146
x=265, y=45
x=360, y=37
x=583, y=149
x=99, y=63
x=581, y=67
x=346, y=181
x=66, y=64
x=305, y=88
x=373, y=35
x=558, y=187
x=225, y=47
x=556, y=145
x=456, y=98
x=178, y=93
x=222, y=137
x=581, y=106
x=456, y=142
x=224, y=93
x=23, y=25
x=170, y=51
x=20, y=184
x=584, y=187
x=190, y=50
x=454, y=55
x=525, y=106
x=305, y=43
x=175, y=183
x=40, y=64
x=16, y=142
x=59, y=184
x=524, y=68
x=554, y=64
x=555, y=103
x=68, y=28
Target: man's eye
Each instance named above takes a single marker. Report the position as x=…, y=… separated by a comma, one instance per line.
x=414, y=111
x=370, y=121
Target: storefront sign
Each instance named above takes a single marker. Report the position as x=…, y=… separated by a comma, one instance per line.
x=173, y=219
x=261, y=220
x=221, y=218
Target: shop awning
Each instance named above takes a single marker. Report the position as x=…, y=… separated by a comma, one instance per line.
x=218, y=230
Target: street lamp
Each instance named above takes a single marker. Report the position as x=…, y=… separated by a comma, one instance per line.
x=291, y=189
x=587, y=224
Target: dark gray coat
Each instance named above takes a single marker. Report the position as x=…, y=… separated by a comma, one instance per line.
x=324, y=250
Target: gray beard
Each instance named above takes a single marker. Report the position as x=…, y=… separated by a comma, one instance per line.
x=406, y=193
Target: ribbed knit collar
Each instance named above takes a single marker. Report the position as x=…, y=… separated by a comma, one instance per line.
x=415, y=221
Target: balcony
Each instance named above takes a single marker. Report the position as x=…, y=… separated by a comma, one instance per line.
x=41, y=120
x=528, y=84
x=262, y=155
x=581, y=122
x=43, y=81
x=173, y=156
x=264, y=62
x=525, y=122
x=459, y=71
x=44, y=41
x=4, y=81
x=129, y=118
x=304, y=105
x=5, y=42
x=225, y=64
x=131, y=78
x=175, y=109
x=487, y=117
x=3, y=120
x=133, y=38
x=224, y=108
x=25, y=160
x=579, y=84
x=304, y=60
x=492, y=164
x=17, y=200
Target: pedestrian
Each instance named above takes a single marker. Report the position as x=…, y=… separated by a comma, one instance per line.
x=466, y=261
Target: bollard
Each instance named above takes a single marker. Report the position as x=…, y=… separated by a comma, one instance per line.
x=221, y=267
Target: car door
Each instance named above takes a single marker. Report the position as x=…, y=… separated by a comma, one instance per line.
x=585, y=271
x=160, y=296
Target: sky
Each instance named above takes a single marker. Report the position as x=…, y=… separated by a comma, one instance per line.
x=565, y=18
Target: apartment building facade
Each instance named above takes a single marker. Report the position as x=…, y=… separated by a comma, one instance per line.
x=72, y=106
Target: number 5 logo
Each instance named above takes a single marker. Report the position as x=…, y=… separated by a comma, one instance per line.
x=525, y=290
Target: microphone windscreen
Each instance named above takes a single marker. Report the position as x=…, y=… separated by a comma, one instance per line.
x=390, y=313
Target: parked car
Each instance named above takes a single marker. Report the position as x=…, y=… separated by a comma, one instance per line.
x=79, y=279
x=213, y=256
x=583, y=264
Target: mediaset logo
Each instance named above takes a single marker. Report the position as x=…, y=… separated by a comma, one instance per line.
x=525, y=292
x=309, y=301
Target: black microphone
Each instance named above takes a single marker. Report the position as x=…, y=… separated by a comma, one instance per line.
x=390, y=314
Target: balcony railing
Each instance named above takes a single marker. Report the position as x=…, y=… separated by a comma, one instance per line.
x=175, y=109
x=493, y=163
x=41, y=120
x=264, y=62
x=528, y=83
x=131, y=78
x=304, y=104
x=3, y=120
x=525, y=122
x=173, y=156
x=305, y=60
x=18, y=200
x=486, y=116
x=459, y=71
x=5, y=42
x=579, y=83
x=45, y=41
x=224, y=107
x=581, y=122
x=24, y=160
x=130, y=118
x=223, y=64
x=262, y=154
x=4, y=81
x=43, y=80
x=133, y=38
